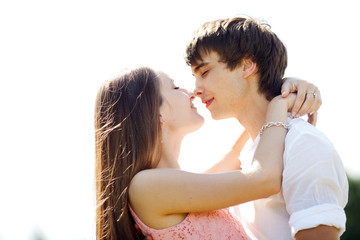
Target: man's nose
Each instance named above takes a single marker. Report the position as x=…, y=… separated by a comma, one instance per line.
x=198, y=91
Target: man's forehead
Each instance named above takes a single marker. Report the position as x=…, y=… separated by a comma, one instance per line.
x=205, y=59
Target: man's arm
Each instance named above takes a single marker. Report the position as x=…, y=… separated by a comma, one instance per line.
x=314, y=185
x=230, y=161
x=321, y=232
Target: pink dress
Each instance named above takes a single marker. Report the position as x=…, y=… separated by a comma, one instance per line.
x=213, y=225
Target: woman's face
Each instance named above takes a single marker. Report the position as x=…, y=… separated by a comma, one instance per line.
x=177, y=110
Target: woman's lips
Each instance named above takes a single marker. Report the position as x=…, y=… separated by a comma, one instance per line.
x=193, y=107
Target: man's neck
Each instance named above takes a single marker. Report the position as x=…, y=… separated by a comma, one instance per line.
x=253, y=117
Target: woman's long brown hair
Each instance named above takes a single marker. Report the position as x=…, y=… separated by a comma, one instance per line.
x=127, y=134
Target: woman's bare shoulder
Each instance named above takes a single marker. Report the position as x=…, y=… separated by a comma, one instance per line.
x=148, y=177
x=143, y=183
x=146, y=192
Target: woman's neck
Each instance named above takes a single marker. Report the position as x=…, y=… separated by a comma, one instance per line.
x=171, y=150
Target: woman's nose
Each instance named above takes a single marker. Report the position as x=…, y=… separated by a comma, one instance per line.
x=191, y=95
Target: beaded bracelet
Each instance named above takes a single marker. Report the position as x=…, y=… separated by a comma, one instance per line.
x=273, y=124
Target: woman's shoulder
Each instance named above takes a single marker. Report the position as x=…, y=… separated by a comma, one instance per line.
x=145, y=178
x=144, y=182
x=145, y=198
x=141, y=181
x=140, y=191
x=156, y=176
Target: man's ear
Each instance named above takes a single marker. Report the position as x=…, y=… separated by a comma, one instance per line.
x=249, y=67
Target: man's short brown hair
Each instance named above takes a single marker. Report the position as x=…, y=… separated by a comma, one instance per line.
x=234, y=39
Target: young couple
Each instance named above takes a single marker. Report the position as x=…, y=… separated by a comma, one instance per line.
x=292, y=183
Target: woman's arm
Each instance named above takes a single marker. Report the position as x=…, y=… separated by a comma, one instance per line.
x=170, y=191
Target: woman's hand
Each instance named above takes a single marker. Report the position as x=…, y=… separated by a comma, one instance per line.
x=308, y=99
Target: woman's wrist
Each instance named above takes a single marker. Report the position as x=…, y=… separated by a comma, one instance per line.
x=276, y=113
x=278, y=106
x=281, y=102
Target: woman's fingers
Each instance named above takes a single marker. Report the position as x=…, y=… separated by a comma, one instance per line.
x=312, y=118
x=307, y=102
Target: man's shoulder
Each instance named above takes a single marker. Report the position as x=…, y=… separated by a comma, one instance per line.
x=298, y=129
x=299, y=125
x=302, y=134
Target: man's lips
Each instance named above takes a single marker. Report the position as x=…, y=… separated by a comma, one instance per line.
x=208, y=102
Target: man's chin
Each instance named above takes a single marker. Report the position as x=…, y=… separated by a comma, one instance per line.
x=217, y=116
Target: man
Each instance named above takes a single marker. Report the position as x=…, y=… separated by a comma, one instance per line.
x=239, y=64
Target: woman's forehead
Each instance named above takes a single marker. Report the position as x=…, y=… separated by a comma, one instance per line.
x=165, y=80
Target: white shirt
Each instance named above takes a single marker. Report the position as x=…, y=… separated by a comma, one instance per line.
x=314, y=187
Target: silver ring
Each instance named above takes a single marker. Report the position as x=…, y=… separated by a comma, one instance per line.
x=313, y=93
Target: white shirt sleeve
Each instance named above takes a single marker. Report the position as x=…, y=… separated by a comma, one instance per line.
x=315, y=186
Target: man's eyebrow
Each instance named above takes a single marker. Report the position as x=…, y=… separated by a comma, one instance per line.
x=200, y=66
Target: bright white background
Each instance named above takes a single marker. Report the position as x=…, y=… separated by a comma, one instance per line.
x=54, y=55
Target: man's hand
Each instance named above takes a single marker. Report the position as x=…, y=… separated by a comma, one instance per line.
x=308, y=98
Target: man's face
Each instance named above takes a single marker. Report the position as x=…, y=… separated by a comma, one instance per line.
x=222, y=90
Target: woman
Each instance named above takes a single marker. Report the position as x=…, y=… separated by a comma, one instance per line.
x=140, y=121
